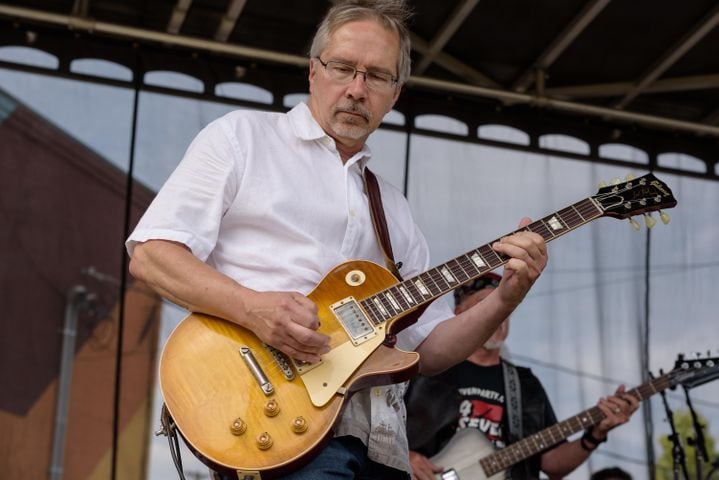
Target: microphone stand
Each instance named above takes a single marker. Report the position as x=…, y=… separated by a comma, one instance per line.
x=700, y=448
x=678, y=457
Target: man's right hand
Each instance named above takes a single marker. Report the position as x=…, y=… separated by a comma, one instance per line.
x=288, y=321
x=422, y=468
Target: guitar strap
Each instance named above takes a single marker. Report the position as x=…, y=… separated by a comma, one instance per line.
x=379, y=222
x=513, y=401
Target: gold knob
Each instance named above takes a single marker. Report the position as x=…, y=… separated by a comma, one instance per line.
x=264, y=441
x=299, y=425
x=272, y=408
x=238, y=427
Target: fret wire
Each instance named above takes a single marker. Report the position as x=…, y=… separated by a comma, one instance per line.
x=413, y=292
x=490, y=256
x=570, y=217
x=476, y=252
x=457, y=271
x=399, y=297
x=374, y=299
x=590, y=208
x=470, y=266
x=541, y=228
x=387, y=305
x=429, y=282
x=371, y=311
x=576, y=210
x=440, y=279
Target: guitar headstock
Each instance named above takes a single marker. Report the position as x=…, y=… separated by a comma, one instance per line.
x=694, y=371
x=636, y=196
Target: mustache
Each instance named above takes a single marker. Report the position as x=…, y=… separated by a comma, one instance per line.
x=355, y=108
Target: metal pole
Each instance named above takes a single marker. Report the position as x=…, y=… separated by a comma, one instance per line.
x=647, y=410
x=77, y=298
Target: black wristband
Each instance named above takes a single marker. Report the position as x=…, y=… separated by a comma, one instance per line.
x=589, y=439
x=586, y=447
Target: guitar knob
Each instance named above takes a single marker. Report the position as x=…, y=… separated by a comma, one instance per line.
x=649, y=221
x=630, y=177
x=272, y=408
x=299, y=425
x=264, y=441
x=616, y=181
x=602, y=184
x=664, y=216
x=635, y=225
x=238, y=427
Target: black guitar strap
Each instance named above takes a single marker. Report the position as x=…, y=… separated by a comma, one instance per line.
x=513, y=401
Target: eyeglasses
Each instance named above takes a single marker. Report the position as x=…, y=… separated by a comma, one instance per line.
x=343, y=73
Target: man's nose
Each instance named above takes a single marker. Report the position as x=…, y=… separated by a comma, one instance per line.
x=357, y=88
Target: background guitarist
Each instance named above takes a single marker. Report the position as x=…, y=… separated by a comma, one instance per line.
x=264, y=204
x=472, y=394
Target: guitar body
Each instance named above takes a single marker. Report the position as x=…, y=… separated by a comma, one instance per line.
x=461, y=456
x=207, y=384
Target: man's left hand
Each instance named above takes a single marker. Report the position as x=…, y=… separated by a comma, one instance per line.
x=617, y=409
x=528, y=257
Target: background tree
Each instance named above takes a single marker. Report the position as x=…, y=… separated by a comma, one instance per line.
x=685, y=430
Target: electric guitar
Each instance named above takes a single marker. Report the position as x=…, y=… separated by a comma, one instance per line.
x=472, y=456
x=246, y=409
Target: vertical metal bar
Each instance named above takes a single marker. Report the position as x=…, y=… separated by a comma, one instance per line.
x=75, y=301
x=647, y=410
x=123, y=281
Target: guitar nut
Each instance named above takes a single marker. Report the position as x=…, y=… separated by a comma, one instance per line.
x=238, y=427
x=272, y=408
x=299, y=425
x=264, y=441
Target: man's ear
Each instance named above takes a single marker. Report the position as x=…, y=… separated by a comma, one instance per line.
x=397, y=91
x=313, y=72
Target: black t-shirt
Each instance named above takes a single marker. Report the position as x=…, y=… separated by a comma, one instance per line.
x=436, y=408
x=482, y=407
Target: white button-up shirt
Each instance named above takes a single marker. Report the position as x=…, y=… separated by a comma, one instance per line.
x=265, y=199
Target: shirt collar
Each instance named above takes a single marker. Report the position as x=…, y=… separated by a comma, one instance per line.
x=305, y=127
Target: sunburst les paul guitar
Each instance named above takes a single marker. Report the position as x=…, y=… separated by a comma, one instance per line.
x=246, y=409
x=469, y=455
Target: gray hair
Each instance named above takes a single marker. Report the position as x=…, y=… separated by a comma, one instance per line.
x=391, y=14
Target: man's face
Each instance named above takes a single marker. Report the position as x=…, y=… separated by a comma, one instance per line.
x=350, y=112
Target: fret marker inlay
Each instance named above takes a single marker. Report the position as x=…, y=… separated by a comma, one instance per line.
x=409, y=299
x=392, y=300
x=478, y=260
x=555, y=223
x=450, y=278
x=420, y=286
x=379, y=306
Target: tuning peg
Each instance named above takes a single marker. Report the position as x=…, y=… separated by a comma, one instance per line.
x=665, y=217
x=649, y=221
x=635, y=225
x=602, y=184
x=630, y=177
x=616, y=181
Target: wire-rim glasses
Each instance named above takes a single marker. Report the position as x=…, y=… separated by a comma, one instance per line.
x=344, y=73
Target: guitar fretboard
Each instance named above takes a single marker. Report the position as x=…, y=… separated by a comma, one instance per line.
x=425, y=287
x=525, y=448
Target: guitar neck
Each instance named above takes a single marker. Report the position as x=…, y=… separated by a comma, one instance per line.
x=426, y=287
x=540, y=441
